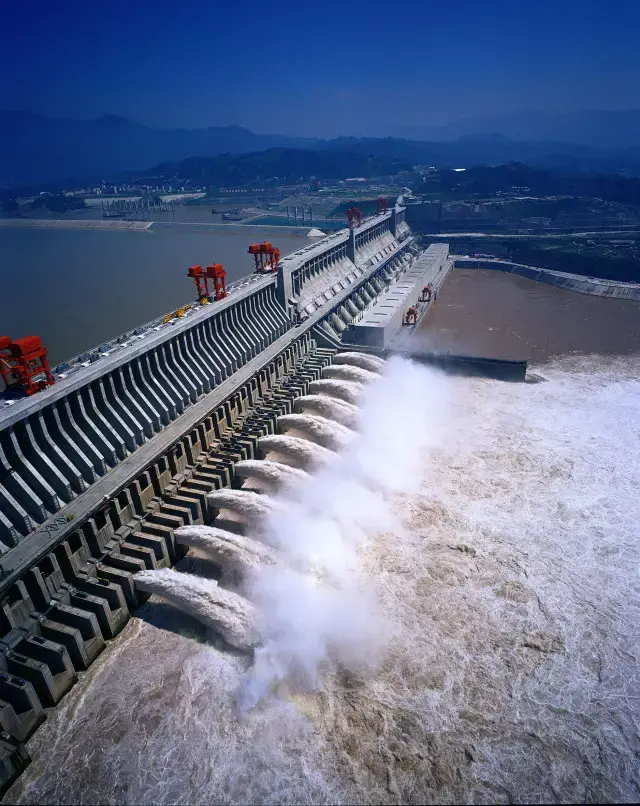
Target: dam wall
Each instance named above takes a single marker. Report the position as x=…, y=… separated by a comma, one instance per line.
x=99, y=470
x=106, y=405
x=382, y=325
x=572, y=282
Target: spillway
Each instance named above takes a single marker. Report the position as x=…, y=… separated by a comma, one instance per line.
x=99, y=471
x=324, y=432
x=343, y=390
x=298, y=452
x=371, y=363
x=223, y=611
x=233, y=552
x=330, y=407
x=247, y=504
x=275, y=474
x=482, y=598
x=348, y=372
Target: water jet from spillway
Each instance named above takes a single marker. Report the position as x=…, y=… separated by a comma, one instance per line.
x=225, y=612
x=276, y=474
x=248, y=506
x=348, y=391
x=235, y=554
x=369, y=362
x=299, y=452
x=345, y=372
x=329, y=407
x=324, y=432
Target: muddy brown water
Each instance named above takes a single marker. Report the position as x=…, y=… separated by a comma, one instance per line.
x=502, y=315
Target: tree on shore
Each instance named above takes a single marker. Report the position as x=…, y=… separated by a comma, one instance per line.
x=58, y=203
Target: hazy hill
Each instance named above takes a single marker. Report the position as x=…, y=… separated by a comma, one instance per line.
x=35, y=149
x=496, y=149
x=598, y=129
x=279, y=166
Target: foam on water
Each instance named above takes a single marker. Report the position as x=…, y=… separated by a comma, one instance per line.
x=347, y=372
x=333, y=409
x=229, y=614
x=343, y=390
x=324, y=432
x=363, y=360
x=509, y=583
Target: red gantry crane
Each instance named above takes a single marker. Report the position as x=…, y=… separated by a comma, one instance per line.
x=23, y=363
x=201, y=279
x=217, y=273
x=266, y=256
x=353, y=214
x=381, y=205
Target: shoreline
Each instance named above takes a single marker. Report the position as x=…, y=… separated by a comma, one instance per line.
x=148, y=226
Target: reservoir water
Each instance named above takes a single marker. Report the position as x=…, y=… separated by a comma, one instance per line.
x=76, y=288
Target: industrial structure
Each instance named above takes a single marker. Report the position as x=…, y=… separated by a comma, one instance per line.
x=98, y=469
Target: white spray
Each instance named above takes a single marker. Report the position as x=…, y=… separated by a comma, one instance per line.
x=333, y=409
x=314, y=606
x=227, y=613
x=346, y=372
x=343, y=390
x=362, y=360
x=275, y=474
x=234, y=553
x=250, y=505
x=324, y=432
x=299, y=452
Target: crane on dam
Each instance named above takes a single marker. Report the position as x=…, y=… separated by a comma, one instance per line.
x=266, y=257
x=201, y=279
x=23, y=365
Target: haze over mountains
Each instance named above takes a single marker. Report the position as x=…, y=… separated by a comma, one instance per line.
x=615, y=129
x=36, y=149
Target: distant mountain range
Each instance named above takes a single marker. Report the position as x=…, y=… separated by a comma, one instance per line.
x=612, y=129
x=35, y=149
x=278, y=166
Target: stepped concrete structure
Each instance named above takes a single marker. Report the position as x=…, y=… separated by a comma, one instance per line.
x=99, y=470
x=381, y=325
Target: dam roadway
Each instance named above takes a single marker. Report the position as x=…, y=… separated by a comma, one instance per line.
x=97, y=471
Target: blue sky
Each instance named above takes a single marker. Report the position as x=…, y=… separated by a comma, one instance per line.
x=317, y=69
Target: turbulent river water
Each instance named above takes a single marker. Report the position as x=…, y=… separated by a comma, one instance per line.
x=502, y=647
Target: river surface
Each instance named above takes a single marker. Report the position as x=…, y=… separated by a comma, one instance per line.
x=507, y=589
x=482, y=312
x=77, y=288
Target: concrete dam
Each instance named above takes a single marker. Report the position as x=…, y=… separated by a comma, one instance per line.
x=111, y=474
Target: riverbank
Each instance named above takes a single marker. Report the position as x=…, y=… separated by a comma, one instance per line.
x=75, y=223
x=146, y=226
